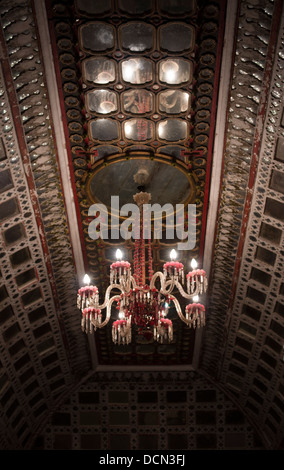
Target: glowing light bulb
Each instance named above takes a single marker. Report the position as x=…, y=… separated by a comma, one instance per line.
x=129, y=69
x=195, y=298
x=170, y=76
x=106, y=107
x=86, y=279
x=193, y=264
x=161, y=130
x=121, y=314
x=128, y=130
x=104, y=77
x=173, y=255
x=170, y=70
x=164, y=310
x=118, y=254
x=127, y=72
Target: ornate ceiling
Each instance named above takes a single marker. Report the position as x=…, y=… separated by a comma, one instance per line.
x=137, y=95
x=91, y=92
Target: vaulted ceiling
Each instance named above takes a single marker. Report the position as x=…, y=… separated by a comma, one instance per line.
x=91, y=92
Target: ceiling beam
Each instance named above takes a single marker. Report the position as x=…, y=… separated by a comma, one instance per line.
x=62, y=155
x=218, y=152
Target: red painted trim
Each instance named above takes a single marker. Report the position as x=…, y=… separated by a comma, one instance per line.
x=224, y=146
x=18, y=126
x=212, y=123
x=259, y=126
x=65, y=127
x=54, y=140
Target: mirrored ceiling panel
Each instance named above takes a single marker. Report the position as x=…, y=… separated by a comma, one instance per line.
x=138, y=129
x=104, y=130
x=137, y=37
x=177, y=7
x=101, y=101
x=172, y=130
x=175, y=71
x=176, y=38
x=137, y=101
x=137, y=71
x=97, y=37
x=174, y=102
x=136, y=7
x=99, y=70
x=93, y=7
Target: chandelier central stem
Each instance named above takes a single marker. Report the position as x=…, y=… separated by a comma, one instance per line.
x=140, y=274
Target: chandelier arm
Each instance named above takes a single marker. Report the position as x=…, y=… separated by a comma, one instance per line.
x=107, y=295
x=128, y=285
x=171, y=283
x=179, y=311
x=108, y=312
x=162, y=279
x=167, y=286
x=133, y=282
x=184, y=294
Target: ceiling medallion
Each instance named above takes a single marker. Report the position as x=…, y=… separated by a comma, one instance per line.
x=144, y=305
x=120, y=170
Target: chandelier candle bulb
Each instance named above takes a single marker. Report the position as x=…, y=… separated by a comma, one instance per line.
x=86, y=279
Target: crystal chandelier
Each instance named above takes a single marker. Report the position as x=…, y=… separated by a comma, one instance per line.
x=141, y=304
